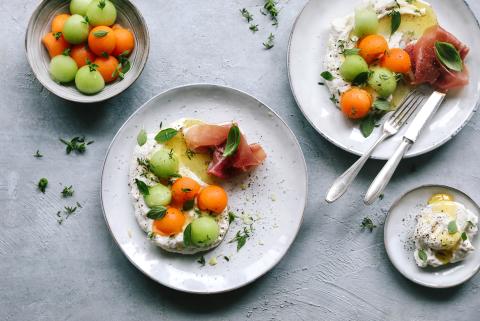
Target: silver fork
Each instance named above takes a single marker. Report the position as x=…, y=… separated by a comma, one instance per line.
x=390, y=127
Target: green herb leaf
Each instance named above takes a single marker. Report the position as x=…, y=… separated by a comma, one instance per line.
x=270, y=42
x=77, y=144
x=156, y=212
x=382, y=104
x=241, y=238
x=231, y=217
x=37, y=154
x=57, y=35
x=327, y=75
x=201, y=260
x=187, y=235
x=42, y=184
x=367, y=125
x=464, y=236
x=142, y=137
x=100, y=33
x=452, y=227
x=396, y=21
x=142, y=187
x=246, y=14
x=101, y=4
x=233, y=140
x=165, y=135
x=367, y=223
x=448, y=55
x=66, y=52
x=422, y=255
x=67, y=191
x=361, y=78
x=253, y=27
x=350, y=52
x=271, y=7
x=69, y=210
x=188, y=205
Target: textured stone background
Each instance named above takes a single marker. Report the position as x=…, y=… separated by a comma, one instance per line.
x=74, y=271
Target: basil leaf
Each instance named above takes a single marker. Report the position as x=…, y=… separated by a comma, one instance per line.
x=422, y=255
x=165, y=135
x=448, y=55
x=231, y=217
x=142, y=137
x=351, y=51
x=187, y=235
x=361, y=78
x=157, y=212
x=100, y=33
x=142, y=187
x=327, y=75
x=233, y=140
x=396, y=21
x=464, y=236
x=382, y=104
x=188, y=205
x=367, y=125
x=452, y=227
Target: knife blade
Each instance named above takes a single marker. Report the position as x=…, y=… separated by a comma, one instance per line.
x=411, y=135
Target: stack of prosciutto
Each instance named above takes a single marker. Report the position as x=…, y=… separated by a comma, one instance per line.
x=428, y=69
x=209, y=138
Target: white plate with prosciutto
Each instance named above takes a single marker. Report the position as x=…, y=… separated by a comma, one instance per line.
x=195, y=191
x=351, y=62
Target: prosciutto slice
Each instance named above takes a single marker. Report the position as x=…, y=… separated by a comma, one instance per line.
x=425, y=65
x=207, y=137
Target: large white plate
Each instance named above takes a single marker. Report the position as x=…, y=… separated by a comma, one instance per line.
x=275, y=191
x=398, y=234
x=307, y=48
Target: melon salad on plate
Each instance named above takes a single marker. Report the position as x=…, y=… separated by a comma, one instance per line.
x=176, y=179
x=380, y=52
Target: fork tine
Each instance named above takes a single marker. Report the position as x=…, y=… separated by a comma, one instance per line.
x=408, y=112
x=403, y=103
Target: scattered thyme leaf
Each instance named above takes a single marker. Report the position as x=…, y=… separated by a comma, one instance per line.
x=190, y=154
x=201, y=260
x=241, y=238
x=37, y=154
x=270, y=42
x=271, y=8
x=246, y=14
x=67, y=191
x=42, y=184
x=368, y=224
x=253, y=27
x=231, y=217
x=77, y=144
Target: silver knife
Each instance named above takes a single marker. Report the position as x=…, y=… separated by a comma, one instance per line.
x=411, y=135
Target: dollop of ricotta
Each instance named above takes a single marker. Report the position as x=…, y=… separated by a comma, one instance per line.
x=172, y=243
x=443, y=234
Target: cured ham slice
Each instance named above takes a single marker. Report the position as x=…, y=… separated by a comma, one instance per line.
x=207, y=138
x=425, y=65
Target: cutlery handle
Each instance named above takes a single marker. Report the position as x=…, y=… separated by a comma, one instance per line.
x=341, y=184
x=382, y=179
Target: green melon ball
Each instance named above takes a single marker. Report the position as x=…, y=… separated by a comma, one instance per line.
x=383, y=81
x=159, y=195
x=63, y=68
x=79, y=6
x=366, y=22
x=76, y=29
x=352, y=67
x=101, y=13
x=163, y=163
x=89, y=81
x=205, y=231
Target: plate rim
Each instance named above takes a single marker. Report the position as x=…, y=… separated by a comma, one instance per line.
x=87, y=99
x=385, y=242
x=269, y=109
x=346, y=148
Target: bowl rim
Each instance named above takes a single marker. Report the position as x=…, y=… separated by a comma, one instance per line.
x=88, y=99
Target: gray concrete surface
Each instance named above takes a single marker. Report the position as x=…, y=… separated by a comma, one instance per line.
x=74, y=271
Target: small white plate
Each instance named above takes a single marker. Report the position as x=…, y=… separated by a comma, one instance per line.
x=398, y=238
x=307, y=48
x=275, y=191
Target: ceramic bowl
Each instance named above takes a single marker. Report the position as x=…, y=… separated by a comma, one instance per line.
x=40, y=24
